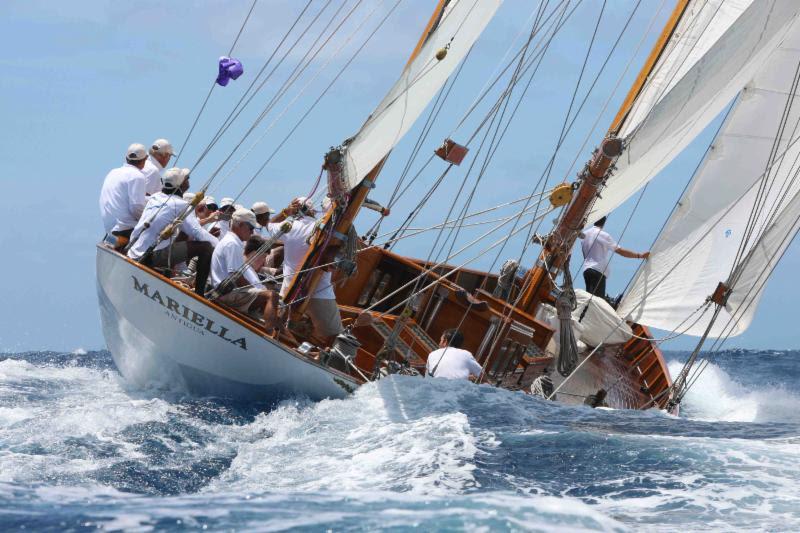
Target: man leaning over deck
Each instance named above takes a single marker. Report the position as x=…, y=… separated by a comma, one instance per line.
x=162, y=209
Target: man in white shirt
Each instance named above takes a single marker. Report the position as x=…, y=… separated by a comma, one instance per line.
x=160, y=154
x=248, y=294
x=222, y=224
x=450, y=361
x=597, y=247
x=274, y=260
x=162, y=209
x=322, y=308
x=122, y=197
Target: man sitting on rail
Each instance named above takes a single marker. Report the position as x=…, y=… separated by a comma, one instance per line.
x=160, y=154
x=162, y=209
x=322, y=308
x=450, y=361
x=122, y=197
x=246, y=294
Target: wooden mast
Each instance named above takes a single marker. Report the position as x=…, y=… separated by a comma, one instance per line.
x=359, y=195
x=558, y=246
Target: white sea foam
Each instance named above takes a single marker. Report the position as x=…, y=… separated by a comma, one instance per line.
x=717, y=397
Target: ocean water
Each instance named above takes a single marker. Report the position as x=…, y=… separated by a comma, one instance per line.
x=81, y=450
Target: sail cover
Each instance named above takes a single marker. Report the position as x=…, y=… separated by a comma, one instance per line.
x=459, y=26
x=697, y=98
x=699, y=245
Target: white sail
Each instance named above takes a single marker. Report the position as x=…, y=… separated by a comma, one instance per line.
x=700, y=95
x=703, y=22
x=460, y=25
x=698, y=247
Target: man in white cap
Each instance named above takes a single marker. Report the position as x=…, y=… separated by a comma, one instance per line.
x=122, y=197
x=322, y=308
x=274, y=261
x=248, y=294
x=162, y=209
x=160, y=154
x=262, y=212
x=222, y=224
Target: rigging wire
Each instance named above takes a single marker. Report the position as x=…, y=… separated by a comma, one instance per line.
x=314, y=104
x=214, y=84
x=242, y=104
x=288, y=83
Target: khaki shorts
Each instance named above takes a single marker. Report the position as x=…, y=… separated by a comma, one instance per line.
x=324, y=314
x=241, y=299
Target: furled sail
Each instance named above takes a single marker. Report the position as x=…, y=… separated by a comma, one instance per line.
x=701, y=94
x=460, y=24
x=754, y=161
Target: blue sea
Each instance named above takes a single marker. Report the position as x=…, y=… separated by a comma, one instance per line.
x=80, y=449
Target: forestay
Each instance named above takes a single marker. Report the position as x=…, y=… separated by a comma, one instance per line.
x=698, y=246
x=700, y=95
x=460, y=25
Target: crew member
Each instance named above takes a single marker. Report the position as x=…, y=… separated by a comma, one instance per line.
x=222, y=224
x=162, y=209
x=160, y=154
x=274, y=260
x=322, y=308
x=450, y=361
x=248, y=295
x=597, y=246
x=122, y=197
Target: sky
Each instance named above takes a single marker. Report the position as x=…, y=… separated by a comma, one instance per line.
x=84, y=79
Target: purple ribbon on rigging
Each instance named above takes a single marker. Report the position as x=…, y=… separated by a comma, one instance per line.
x=229, y=69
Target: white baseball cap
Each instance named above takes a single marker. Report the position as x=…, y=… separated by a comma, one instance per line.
x=161, y=146
x=225, y=202
x=136, y=152
x=307, y=202
x=210, y=200
x=244, y=215
x=188, y=196
x=174, y=177
x=261, y=208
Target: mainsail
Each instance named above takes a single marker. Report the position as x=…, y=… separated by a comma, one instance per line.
x=461, y=23
x=747, y=180
x=664, y=130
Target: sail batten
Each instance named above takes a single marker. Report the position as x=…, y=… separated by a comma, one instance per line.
x=459, y=26
x=738, y=214
x=656, y=133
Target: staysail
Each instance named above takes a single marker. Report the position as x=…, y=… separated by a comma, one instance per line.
x=664, y=130
x=754, y=161
x=461, y=23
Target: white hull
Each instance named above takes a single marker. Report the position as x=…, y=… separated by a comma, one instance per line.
x=159, y=334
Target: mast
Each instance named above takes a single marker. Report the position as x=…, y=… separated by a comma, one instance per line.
x=558, y=245
x=359, y=195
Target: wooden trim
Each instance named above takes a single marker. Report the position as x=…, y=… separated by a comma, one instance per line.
x=647, y=68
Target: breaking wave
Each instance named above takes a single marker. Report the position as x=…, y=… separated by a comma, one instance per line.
x=80, y=447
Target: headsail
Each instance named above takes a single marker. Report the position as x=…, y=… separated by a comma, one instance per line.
x=700, y=244
x=700, y=95
x=460, y=24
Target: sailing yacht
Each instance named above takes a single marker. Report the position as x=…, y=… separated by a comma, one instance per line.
x=530, y=330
